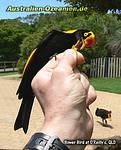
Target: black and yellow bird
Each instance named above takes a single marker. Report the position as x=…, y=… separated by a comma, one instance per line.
x=103, y=114
x=55, y=42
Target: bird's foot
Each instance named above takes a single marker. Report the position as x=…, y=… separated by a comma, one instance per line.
x=55, y=56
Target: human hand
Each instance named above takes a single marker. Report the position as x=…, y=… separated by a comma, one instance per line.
x=65, y=95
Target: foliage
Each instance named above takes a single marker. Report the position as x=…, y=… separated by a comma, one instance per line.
x=11, y=36
x=114, y=44
x=20, y=64
x=28, y=45
x=101, y=5
x=103, y=25
x=18, y=39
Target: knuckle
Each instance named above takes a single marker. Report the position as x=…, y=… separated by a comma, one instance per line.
x=33, y=83
x=59, y=71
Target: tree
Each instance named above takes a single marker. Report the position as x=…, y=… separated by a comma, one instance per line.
x=101, y=5
x=12, y=33
x=103, y=25
x=28, y=45
x=114, y=44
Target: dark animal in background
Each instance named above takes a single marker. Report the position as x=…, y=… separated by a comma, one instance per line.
x=104, y=114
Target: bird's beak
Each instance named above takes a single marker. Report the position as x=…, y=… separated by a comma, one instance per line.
x=109, y=117
x=88, y=41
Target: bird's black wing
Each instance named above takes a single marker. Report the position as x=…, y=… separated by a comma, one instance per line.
x=55, y=42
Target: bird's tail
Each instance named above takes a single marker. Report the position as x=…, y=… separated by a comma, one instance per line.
x=22, y=120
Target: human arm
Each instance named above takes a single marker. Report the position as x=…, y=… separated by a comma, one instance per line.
x=65, y=95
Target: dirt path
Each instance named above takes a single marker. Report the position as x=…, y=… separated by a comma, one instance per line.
x=9, y=105
x=111, y=102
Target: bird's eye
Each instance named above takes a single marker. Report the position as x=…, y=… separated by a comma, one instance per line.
x=85, y=34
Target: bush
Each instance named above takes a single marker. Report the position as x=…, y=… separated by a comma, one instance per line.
x=20, y=65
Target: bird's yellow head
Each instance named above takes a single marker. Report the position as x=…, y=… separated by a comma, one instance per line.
x=87, y=38
x=84, y=38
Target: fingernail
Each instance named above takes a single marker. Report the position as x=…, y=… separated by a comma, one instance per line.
x=71, y=53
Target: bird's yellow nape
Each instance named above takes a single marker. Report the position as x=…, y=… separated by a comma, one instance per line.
x=70, y=31
x=28, y=60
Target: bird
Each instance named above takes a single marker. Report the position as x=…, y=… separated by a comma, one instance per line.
x=54, y=42
x=104, y=114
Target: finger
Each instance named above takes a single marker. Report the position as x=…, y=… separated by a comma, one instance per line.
x=73, y=57
x=91, y=96
x=91, y=93
x=85, y=81
x=69, y=60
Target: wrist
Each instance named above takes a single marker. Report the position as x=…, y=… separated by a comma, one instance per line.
x=42, y=141
x=65, y=130
x=68, y=128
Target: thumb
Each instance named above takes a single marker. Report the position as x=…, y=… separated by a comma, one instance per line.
x=70, y=59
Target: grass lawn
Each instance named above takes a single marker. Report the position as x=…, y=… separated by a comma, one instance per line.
x=112, y=85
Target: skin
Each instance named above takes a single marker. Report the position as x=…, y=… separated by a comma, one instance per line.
x=65, y=95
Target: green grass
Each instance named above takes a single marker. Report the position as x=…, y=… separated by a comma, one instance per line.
x=8, y=73
x=112, y=85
